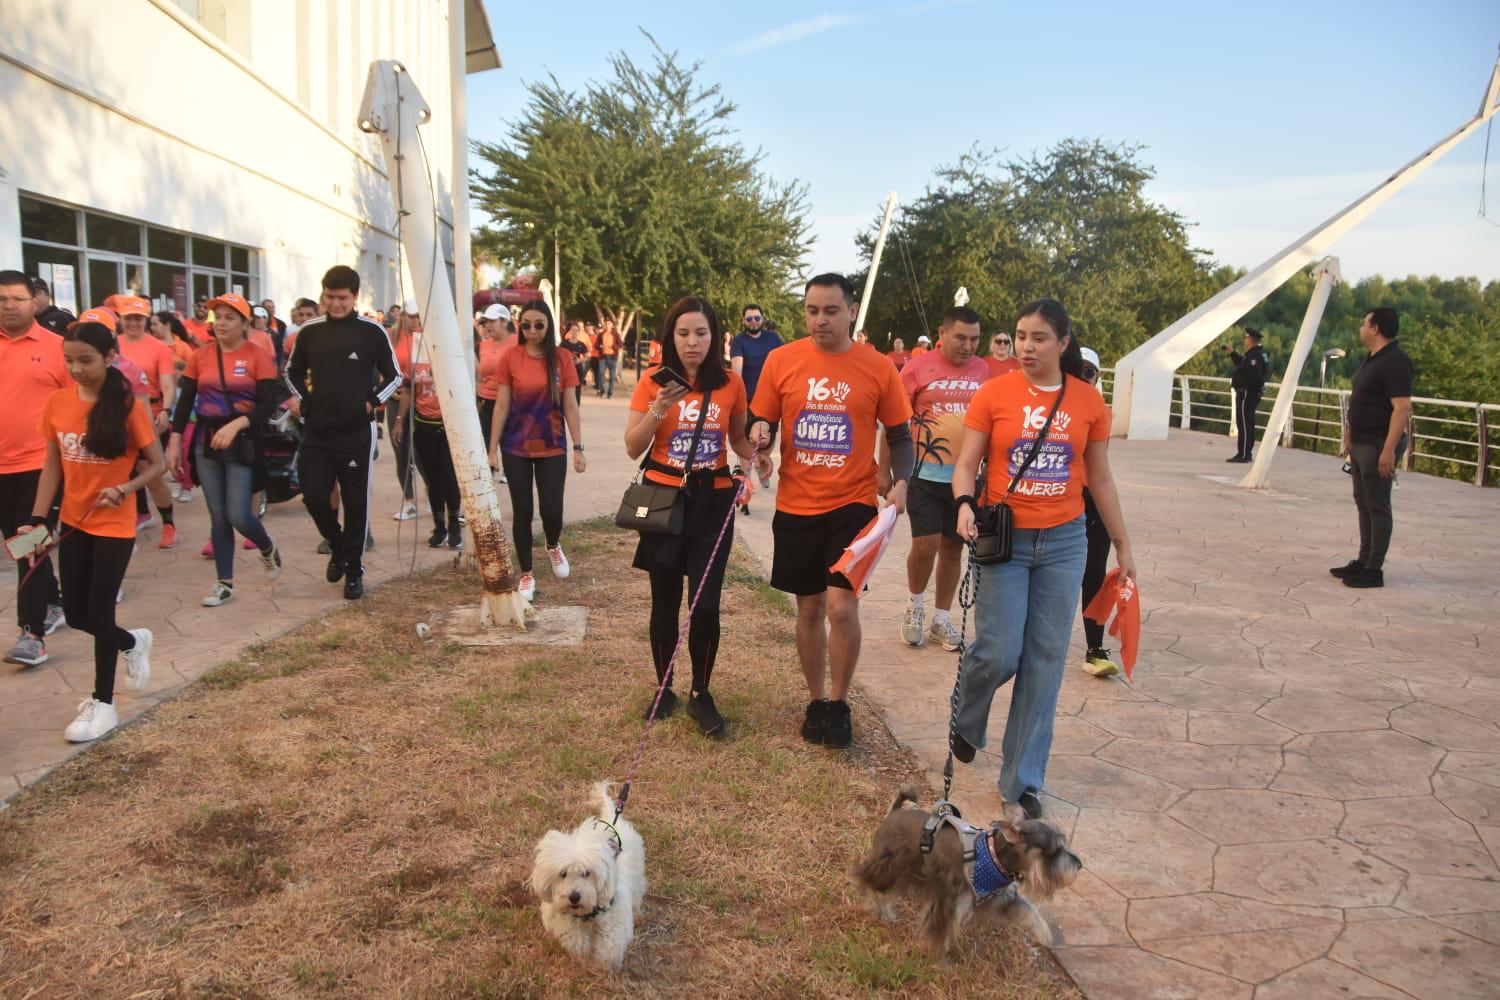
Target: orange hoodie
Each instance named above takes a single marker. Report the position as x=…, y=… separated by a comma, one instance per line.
x=1120, y=595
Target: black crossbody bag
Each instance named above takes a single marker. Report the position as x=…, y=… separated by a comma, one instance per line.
x=656, y=508
x=996, y=524
x=242, y=451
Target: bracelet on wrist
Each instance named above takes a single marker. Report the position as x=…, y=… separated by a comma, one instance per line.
x=37, y=521
x=578, y=447
x=967, y=498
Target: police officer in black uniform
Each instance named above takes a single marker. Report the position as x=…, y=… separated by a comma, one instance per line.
x=1250, y=373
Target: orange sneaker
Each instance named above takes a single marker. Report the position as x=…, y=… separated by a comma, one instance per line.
x=168, y=537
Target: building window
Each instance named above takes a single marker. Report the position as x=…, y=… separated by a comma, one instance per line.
x=104, y=255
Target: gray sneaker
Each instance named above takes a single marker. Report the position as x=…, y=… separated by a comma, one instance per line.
x=945, y=634
x=55, y=618
x=911, y=626
x=29, y=651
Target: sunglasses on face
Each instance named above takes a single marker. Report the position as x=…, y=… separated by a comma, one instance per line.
x=1003, y=340
x=533, y=326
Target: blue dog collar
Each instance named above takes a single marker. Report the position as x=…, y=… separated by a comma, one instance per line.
x=987, y=877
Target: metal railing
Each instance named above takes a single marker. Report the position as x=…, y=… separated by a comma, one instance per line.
x=1446, y=437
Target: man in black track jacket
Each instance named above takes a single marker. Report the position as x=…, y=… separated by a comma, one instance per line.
x=342, y=368
x=1251, y=371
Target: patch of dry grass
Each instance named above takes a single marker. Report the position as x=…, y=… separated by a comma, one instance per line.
x=350, y=811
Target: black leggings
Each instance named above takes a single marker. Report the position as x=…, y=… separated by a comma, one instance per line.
x=550, y=474
x=92, y=568
x=429, y=445
x=1094, y=567
x=703, y=632
x=402, y=448
x=17, y=495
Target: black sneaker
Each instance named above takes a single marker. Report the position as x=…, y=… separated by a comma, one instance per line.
x=455, y=537
x=1365, y=579
x=838, y=731
x=335, y=571
x=354, y=588
x=815, y=721
x=701, y=709
x=962, y=751
x=438, y=538
x=324, y=549
x=1032, y=804
x=1351, y=568
x=668, y=705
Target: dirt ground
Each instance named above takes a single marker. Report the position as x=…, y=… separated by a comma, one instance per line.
x=350, y=811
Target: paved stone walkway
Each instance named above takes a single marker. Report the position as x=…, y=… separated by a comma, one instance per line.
x=1300, y=797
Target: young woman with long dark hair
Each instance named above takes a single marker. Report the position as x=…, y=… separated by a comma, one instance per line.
x=1024, y=608
x=231, y=386
x=96, y=430
x=527, y=440
x=663, y=421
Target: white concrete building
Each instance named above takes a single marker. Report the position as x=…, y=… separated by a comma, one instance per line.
x=179, y=148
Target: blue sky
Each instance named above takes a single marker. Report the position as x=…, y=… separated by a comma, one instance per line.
x=1260, y=119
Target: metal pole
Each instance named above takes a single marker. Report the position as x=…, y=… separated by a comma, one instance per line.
x=1327, y=273
x=885, y=226
x=392, y=108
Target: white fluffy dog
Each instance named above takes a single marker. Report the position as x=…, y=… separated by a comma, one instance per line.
x=591, y=885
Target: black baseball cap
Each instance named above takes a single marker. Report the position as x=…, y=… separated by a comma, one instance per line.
x=38, y=285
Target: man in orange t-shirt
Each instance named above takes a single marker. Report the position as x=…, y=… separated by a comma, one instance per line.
x=827, y=394
x=31, y=370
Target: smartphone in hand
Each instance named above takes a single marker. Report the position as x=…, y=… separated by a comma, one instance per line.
x=664, y=376
x=21, y=546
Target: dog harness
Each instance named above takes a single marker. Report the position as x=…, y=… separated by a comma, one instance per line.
x=985, y=874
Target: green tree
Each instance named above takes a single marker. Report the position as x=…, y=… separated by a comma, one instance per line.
x=639, y=180
x=1072, y=223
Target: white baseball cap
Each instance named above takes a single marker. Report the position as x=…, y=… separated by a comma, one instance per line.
x=410, y=305
x=1090, y=356
x=260, y=312
x=495, y=311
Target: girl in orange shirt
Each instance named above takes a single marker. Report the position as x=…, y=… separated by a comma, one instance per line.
x=1024, y=608
x=95, y=431
x=663, y=421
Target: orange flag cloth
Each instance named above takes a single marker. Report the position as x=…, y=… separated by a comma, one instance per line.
x=863, y=554
x=1119, y=594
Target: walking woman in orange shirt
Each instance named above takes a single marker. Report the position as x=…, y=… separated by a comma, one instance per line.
x=96, y=430
x=1044, y=433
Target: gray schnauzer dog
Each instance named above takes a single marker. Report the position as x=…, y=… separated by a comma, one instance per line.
x=967, y=871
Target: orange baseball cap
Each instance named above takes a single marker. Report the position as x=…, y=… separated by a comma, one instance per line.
x=131, y=305
x=232, y=301
x=103, y=316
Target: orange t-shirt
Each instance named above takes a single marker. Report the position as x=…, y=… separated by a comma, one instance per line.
x=31, y=370
x=1011, y=411
x=489, y=364
x=262, y=339
x=181, y=352
x=674, y=432
x=199, y=331
x=998, y=368
x=65, y=417
x=154, y=358
x=534, y=423
x=827, y=406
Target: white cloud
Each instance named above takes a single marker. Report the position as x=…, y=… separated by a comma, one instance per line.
x=796, y=31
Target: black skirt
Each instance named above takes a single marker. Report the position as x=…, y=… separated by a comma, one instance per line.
x=688, y=553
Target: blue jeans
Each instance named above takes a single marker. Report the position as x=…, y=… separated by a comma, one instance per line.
x=1023, y=618
x=231, y=508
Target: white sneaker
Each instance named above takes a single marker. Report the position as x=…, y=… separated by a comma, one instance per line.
x=221, y=594
x=272, y=562
x=95, y=718
x=184, y=494
x=527, y=589
x=56, y=618
x=138, y=660
x=407, y=512
x=943, y=633
x=911, y=626
x=560, y=568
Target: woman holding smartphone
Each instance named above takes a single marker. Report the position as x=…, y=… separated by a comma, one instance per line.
x=1024, y=608
x=96, y=431
x=689, y=397
x=527, y=440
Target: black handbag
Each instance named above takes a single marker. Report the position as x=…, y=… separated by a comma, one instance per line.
x=656, y=508
x=995, y=523
x=242, y=451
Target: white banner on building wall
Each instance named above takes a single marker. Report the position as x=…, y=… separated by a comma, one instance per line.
x=64, y=290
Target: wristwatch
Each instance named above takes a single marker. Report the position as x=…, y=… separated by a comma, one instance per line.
x=578, y=447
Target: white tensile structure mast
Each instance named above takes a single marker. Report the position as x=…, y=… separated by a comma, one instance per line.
x=393, y=108
x=1142, y=399
x=885, y=227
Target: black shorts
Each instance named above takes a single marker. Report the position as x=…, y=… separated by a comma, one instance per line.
x=932, y=509
x=807, y=544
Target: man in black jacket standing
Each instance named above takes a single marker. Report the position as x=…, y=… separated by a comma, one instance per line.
x=48, y=313
x=342, y=368
x=1250, y=374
